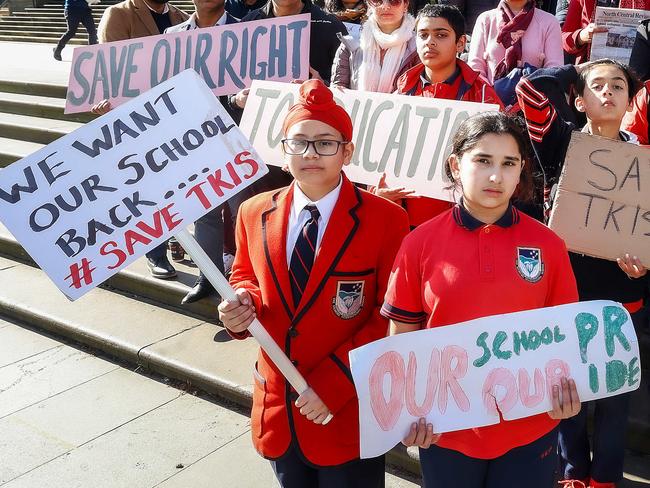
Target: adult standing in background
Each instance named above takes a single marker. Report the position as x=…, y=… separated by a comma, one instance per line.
x=75, y=12
x=385, y=51
x=579, y=27
x=471, y=9
x=138, y=18
x=209, y=229
x=323, y=41
x=512, y=35
x=131, y=19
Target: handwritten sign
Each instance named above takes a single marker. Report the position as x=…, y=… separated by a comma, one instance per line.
x=602, y=207
x=95, y=200
x=461, y=376
x=409, y=138
x=227, y=57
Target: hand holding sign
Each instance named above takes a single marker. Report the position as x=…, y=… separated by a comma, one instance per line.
x=602, y=205
x=506, y=366
x=227, y=57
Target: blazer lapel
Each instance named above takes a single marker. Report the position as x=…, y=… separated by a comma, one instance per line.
x=341, y=228
x=144, y=14
x=274, y=230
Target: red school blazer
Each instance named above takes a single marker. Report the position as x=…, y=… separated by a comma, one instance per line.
x=353, y=263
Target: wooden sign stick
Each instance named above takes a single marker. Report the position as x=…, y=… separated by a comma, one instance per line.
x=266, y=342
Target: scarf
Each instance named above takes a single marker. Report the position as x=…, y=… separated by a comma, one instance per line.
x=373, y=76
x=510, y=34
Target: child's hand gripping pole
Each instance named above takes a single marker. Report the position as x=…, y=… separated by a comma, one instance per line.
x=256, y=329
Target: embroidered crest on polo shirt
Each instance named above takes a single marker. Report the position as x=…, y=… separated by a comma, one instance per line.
x=529, y=263
x=348, y=301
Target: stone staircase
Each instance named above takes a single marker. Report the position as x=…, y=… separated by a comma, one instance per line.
x=47, y=24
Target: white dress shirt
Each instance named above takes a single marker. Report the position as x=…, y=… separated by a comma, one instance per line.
x=298, y=215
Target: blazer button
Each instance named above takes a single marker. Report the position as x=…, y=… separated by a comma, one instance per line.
x=295, y=363
x=293, y=333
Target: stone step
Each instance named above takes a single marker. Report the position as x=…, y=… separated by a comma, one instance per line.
x=33, y=88
x=10, y=21
x=136, y=281
x=42, y=40
x=51, y=36
x=39, y=106
x=46, y=15
x=12, y=150
x=44, y=31
x=34, y=129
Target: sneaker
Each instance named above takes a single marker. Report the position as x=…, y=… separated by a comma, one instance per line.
x=161, y=268
x=57, y=54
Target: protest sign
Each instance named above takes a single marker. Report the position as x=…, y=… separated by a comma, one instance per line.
x=92, y=202
x=409, y=138
x=617, y=42
x=227, y=57
x=602, y=206
x=462, y=376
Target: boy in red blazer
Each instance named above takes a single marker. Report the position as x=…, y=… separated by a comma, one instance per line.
x=312, y=262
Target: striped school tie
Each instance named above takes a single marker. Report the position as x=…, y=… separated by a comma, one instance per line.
x=302, y=257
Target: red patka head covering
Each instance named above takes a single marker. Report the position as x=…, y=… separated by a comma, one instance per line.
x=316, y=102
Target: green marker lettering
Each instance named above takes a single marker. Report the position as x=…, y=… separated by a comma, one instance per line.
x=614, y=318
x=586, y=326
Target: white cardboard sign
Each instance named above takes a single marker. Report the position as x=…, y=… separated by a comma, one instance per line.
x=461, y=376
x=407, y=137
x=92, y=202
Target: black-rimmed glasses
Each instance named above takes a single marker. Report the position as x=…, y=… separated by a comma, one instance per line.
x=323, y=147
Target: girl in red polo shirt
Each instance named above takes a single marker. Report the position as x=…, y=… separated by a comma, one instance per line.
x=462, y=265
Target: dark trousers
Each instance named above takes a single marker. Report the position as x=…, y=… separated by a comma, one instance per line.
x=608, y=440
x=610, y=422
x=209, y=230
x=530, y=466
x=74, y=16
x=293, y=472
x=158, y=251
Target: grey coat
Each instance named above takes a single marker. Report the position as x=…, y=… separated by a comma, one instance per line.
x=348, y=59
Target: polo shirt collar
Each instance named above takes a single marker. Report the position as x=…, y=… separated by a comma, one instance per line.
x=468, y=221
x=449, y=81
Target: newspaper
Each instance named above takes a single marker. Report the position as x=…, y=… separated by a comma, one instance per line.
x=617, y=42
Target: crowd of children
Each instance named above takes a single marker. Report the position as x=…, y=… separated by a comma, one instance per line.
x=301, y=246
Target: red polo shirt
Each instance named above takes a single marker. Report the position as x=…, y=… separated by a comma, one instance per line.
x=454, y=268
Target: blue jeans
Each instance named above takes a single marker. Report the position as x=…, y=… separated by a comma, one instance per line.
x=530, y=466
x=73, y=17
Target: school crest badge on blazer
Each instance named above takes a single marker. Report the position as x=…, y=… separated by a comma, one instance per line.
x=529, y=263
x=348, y=301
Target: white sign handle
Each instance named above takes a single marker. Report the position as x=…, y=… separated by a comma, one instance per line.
x=257, y=330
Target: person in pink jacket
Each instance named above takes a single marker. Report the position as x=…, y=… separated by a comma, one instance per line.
x=511, y=35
